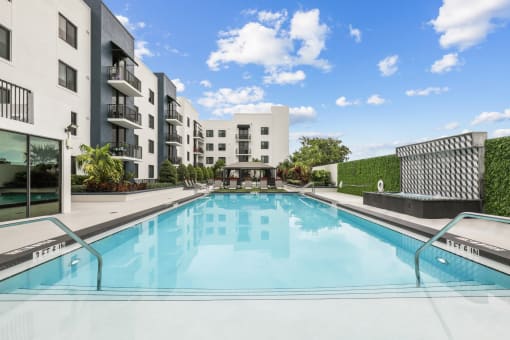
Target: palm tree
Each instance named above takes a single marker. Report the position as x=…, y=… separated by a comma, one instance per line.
x=99, y=164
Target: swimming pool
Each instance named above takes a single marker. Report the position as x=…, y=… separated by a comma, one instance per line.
x=254, y=242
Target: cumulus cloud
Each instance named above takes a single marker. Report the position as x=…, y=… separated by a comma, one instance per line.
x=445, y=64
x=465, y=23
x=375, y=99
x=355, y=33
x=501, y=133
x=141, y=49
x=343, y=102
x=450, y=126
x=488, y=117
x=179, y=85
x=205, y=83
x=131, y=26
x=281, y=78
x=267, y=43
x=388, y=66
x=427, y=91
x=301, y=114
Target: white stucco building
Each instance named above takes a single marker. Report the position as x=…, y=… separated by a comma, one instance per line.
x=192, y=150
x=248, y=136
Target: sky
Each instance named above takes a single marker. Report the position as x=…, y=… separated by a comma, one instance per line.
x=376, y=74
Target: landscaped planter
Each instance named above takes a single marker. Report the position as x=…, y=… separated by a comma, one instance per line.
x=114, y=196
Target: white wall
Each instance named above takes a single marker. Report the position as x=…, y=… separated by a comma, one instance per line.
x=333, y=171
x=145, y=108
x=36, y=50
x=188, y=112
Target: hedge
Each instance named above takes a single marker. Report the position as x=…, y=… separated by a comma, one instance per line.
x=497, y=176
x=362, y=175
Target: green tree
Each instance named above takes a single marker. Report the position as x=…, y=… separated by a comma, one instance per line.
x=283, y=169
x=218, y=167
x=200, y=174
x=192, y=174
x=167, y=172
x=99, y=165
x=182, y=172
x=320, y=151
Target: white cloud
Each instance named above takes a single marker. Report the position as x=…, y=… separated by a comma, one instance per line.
x=465, y=23
x=355, y=33
x=427, y=91
x=206, y=83
x=376, y=99
x=131, y=26
x=276, y=77
x=301, y=114
x=266, y=43
x=225, y=97
x=445, y=64
x=486, y=117
x=343, y=102
x=388, y=66
x=501, y=133
x=450, y=126
x=141, y=49
x=179, y=85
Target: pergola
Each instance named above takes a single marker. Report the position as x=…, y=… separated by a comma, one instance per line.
x=244, y=167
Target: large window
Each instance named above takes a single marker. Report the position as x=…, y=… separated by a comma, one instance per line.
x=222, y=133
x=151, y=121
x=264, y=145
x=209, y=133
x=222, y=147
x=209, y=147
x=151, y=171
x=209, y=160
x=67, y=31
x=5, y=43
x=151, y=146
x=264, y=130
x=40, y=167
x=66, y=76
x=265, y=159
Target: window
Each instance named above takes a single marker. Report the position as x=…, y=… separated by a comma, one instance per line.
x=151, y=146
x=209, y=133
x=137, y=140
x=209, y=147
x=73, y=165
x=187, y=121
x=265, y=159
x=264, y=145
x=136, y=171
x=222, y=147
x=151, y=171
x=243, y=158
x=187, y=139
x=66, y=76
x=222, y=133
x=5, y=43
x=74, y=121
x=264, y=130
x=209, y=160
x=151, y=96
x=151, y=121
x=187, y=156
x=67, y=31
x=224, y=159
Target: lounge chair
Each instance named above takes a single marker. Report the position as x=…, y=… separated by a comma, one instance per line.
x=217, y=185
x=247, y=185
x=279, y=184
x=232, y=184
x=187, y=185
x=263, y=184
x=198, y=185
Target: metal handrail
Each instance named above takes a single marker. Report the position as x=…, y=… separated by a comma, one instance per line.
x=447, y=227
x=71, y=234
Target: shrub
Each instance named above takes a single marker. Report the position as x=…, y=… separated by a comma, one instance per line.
x=160, y=185
x=497, y=178
x=363, y=175
x=167, y=172
x=192, y=174
x=78, y=179
x=320, y=177
x=199, y=174
x=182, y=172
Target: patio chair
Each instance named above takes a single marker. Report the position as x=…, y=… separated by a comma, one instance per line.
x=263, y=184
x=217, y=185
x=279, y=184
x=187, y=185
x=198, y=185
x=247, y=185
x=232, y=184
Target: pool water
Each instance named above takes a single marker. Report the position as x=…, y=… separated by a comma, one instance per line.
x=246, y=241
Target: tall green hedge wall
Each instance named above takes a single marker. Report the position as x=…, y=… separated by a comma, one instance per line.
x=497, y=176
x=362, y=175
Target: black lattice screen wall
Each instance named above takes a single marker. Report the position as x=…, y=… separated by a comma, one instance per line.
x=448, y=167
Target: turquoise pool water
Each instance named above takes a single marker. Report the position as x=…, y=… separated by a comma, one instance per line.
x=265, y=241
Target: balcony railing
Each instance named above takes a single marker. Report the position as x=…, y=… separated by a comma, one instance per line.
x=198, y=134
x=121, y=73
x=173, y=114
x=244, y=136
x=175, y=138
x=243, y=151
x=16, y=102
x=119, y=111
x=198, y=150
x=125, y=150
x=175, y=160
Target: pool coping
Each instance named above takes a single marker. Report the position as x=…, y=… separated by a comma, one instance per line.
x=488, y=251
x=24, y=254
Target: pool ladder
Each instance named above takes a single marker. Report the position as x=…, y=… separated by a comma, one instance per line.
x=71, y=234
x=447, y=227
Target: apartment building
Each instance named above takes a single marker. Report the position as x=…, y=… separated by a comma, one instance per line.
x=248, y=137
x=147, y=136
x=193, y=136
x=44, y=103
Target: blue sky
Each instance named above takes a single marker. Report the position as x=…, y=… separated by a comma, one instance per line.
x=376, y=74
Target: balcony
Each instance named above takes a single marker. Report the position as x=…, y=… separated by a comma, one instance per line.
x=126, y=152
x=198, y=134
x=243, y=136
x=175, y=160
x=173, y=117
x=198, y=150
x=125, y=116
x=16, y=102
x=124, y=81
x=173, y=139
x=243, y=151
